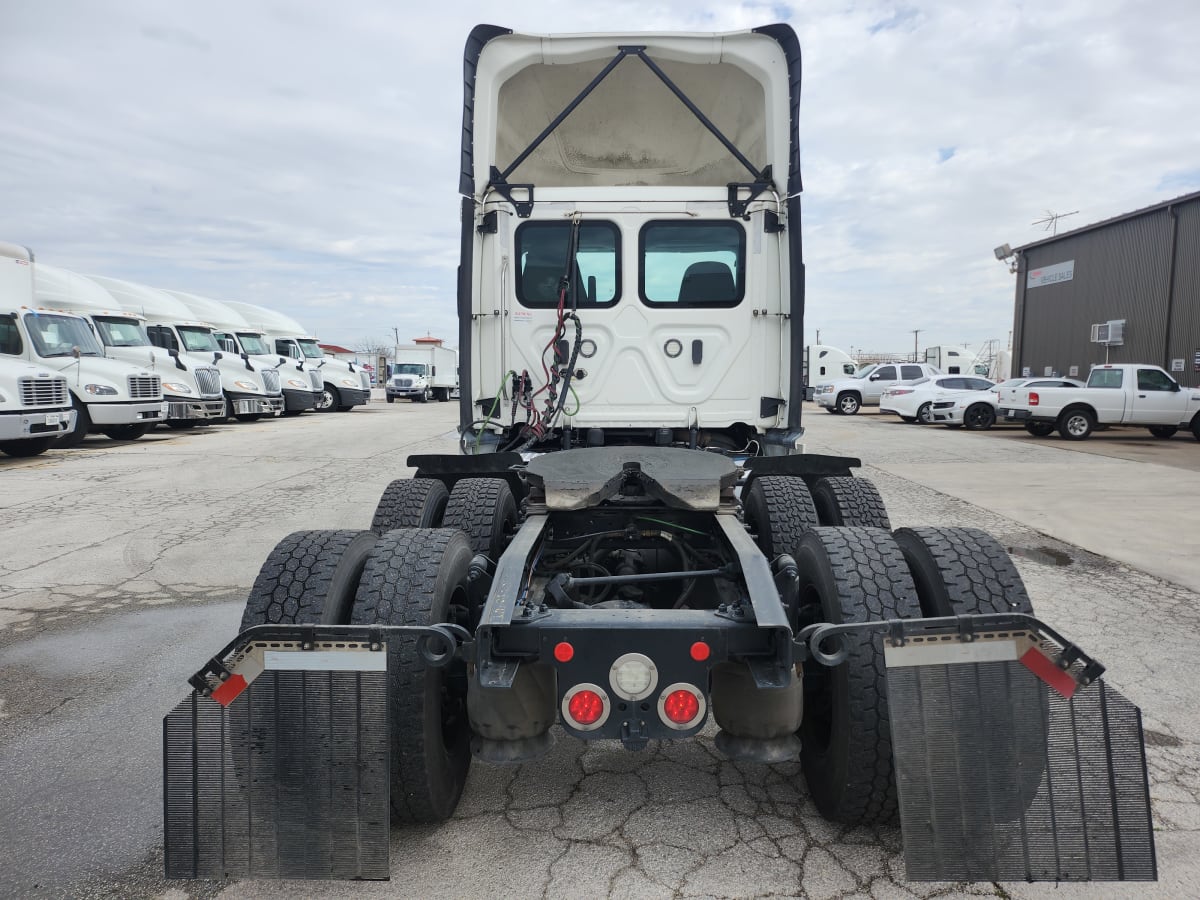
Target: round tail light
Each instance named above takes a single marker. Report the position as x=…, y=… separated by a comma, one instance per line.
x=681, y=706
x=585, y=707
x=633, y=676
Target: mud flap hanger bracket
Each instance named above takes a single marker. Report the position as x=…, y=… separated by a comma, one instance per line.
x=437, y=644
x=810, y=641
x=762, y=178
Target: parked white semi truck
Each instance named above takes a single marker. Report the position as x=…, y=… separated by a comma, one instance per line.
x=192, y=390
x=35, y=407
x=423, y=371
x=301, y=386
x=343, y=386
x=108, y=396
x=250, y=392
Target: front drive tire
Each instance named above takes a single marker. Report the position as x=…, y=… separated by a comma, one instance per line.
x=83, y=424
x=779, y=509
x=1076, y=424
x=124, y=432
x=848, y=403
x=851, y=575
x=925, y=414
x=309, y=578
x=419, y=577
x=1164, y=432
x=410, y=503
x=390, y=399
x=844, y=500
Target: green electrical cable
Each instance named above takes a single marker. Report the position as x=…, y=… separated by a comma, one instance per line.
x=495, y=403
x=577, y=403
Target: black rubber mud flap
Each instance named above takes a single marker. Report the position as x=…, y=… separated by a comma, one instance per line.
x=963, y=732
x=291, y=780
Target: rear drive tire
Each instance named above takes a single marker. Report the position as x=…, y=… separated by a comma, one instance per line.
x=965, y=571
x=851, y=575
x=410, y=503
x=979, y=417
x=309, y=578
x=419, y=577
x=1076, y=425
x=779, y=509
x=486, y=511
x=1040, y=429
x=26, y=448
x=848, y=404
x=1164, y=432
x=844, y=500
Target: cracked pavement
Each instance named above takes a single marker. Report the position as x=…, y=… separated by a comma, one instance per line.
x=134, y=569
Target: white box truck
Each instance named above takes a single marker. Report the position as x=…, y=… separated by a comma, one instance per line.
x=250, y=392
x=344, y=385
x=423, y=371
x=301, y=387
x=108, y=396
x=35, y=407
x=192, y=390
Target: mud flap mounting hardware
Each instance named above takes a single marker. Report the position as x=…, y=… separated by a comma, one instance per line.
x=1012, y=764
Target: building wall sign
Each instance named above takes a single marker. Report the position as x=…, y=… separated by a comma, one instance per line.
x=1177, y=365
x=1063, y=271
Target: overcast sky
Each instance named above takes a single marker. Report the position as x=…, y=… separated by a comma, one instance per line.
x=304, y=155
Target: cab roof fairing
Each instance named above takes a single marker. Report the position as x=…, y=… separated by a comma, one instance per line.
x=631, y=129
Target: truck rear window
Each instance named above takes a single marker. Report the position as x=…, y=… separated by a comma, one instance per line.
x=692, y=264
x=542, y=261
x=1105, y=378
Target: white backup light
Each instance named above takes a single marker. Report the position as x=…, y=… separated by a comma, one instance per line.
x=633, y=676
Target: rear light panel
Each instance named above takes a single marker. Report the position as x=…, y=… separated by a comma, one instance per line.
x=1034, y=399
x=633, y=676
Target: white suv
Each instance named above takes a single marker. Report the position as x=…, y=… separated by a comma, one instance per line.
x=864, y=387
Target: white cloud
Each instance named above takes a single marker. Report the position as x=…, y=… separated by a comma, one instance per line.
x=306, y=157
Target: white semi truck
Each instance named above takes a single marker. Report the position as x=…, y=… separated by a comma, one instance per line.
x=423, y=371
x=250, y=392
x=343, y=384
x=192, y=390
x=35, y=406
x=112, y=397
x=301, y=386
x=631, y=311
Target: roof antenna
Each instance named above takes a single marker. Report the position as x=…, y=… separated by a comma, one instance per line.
x=1050, y=220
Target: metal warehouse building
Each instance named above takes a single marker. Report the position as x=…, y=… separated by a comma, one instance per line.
x=1125, y=290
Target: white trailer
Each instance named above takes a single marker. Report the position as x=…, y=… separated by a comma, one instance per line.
x=108, y=396
x=301, y=387
x=250, y=392
x=344, y=385
x=35, y=408
x=955, y=361
x=192, y=390
x=423, y=371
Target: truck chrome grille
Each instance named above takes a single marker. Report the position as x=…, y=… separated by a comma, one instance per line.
x=314, y=378
x=145, y=387
x=403, y=382
x=208, y=380
x=271, y=380
x=43, y=391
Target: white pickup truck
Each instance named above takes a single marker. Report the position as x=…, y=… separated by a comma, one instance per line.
x=1137, y=394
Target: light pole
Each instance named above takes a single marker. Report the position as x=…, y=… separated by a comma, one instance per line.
x=916, y=331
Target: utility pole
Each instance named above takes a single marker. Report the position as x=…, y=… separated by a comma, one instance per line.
x=916, y=331
x=818, y=335
x=396, y=346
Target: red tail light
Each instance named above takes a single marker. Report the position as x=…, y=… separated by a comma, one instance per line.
x=564, y=652
x=1033, y=398
x=585, y=707
x=681, y=706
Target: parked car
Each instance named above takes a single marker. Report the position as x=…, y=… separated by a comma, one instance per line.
x=977, y=410
x=928, y=400
x=864, y=387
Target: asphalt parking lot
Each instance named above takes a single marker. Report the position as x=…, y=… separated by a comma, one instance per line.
x=125, y=566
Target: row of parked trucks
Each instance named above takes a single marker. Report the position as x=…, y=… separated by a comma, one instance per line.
x=82, y=354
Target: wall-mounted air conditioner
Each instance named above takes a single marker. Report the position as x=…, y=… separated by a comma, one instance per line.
x=1111, y=333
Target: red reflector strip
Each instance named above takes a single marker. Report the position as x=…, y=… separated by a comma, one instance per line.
x=229, y=690
x=1040, y=665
